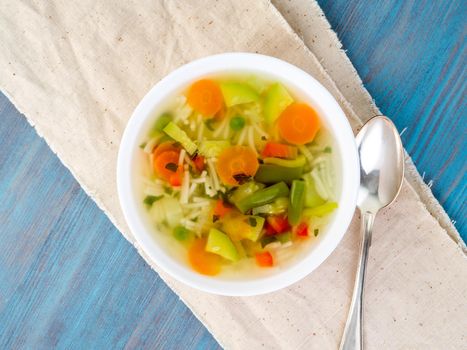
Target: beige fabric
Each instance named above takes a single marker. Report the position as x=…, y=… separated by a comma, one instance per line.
x=78, y=69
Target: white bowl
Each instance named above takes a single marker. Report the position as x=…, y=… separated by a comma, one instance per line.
x=309, y=90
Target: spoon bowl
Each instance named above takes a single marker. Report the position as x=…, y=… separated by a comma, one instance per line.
x=381, y=164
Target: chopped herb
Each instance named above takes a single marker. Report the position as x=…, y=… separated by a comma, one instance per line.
x=168, y=190
x=327, y=149
x=171, y=166
x=222, y=195
x=195, y=219
x=215, y=218
x=149, y=200
x=266, y=240
x=315, y=232
x=242, y=178
x=252, y=222
x=264, y=138
x=143, y=145
x=181, y=233
x=209, y=123
x=194, y=155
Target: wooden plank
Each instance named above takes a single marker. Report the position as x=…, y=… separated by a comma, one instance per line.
x=68, y=279
x=411, y=57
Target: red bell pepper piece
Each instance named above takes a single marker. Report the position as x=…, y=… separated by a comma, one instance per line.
x=302, y=230
x=221, y=209
x=279, y=150
x=176, y=179
x=279, y=223
x=199, y=163
x=264, y=259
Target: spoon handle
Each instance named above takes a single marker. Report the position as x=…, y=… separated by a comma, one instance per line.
x=352, y=338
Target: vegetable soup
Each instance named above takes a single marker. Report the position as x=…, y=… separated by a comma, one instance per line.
x=237, y=175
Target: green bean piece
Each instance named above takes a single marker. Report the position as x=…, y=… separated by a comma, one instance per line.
x=297, y=200
x=261, y=197
x=272, y=173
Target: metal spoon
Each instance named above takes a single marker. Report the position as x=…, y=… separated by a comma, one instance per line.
x=381, y=173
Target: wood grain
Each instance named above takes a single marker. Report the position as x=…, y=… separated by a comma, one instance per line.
x=411, y=58
x=69, y=280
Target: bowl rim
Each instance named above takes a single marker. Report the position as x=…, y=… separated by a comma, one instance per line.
x=245, y=62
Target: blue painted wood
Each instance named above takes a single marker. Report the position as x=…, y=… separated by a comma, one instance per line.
x=411, y=57
x=68, y=279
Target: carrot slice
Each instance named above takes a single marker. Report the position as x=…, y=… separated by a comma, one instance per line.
x=236, y=161
x=202, y=261
x=274, y=149
x=264, y=259
x=298, y=124
x=164, y=146
x=166, y=164
x=205, y=96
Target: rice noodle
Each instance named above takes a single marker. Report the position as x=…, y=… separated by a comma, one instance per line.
x=201, y=199
x=200, y=130
x=226, y=132
x=189, y=161
x=208, y=186
x=251, y=140
x=203, y=220
x=306, y=152
x=188, y=224
x=242, y=136
x=260, y=131
x=213, y=173
x=151, y=164
x=153, y=191
x=318, y=160
x=221, y=127
x=320, y=187
x=192, y=189
x=185, y=187
x=199, y=180
x=181, y=156
x=315, y=149
x=194, y=214
x=327, y=176
x=195, y=205
x=149, y=147
x=182, y=114
x=154, y=182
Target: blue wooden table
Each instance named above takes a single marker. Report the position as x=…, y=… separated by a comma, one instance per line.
x=68, y=279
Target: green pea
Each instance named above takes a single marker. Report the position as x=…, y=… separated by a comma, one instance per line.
x=237, y=123
x=181, y=233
